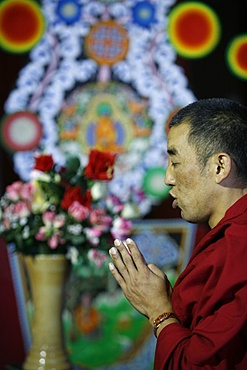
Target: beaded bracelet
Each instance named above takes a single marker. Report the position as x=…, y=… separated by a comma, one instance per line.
x=164, y=316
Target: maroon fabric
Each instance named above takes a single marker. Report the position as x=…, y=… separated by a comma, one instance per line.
x=210, y=299
x=11, y=340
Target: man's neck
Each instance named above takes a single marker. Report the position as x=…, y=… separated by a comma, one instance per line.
x=225, y=201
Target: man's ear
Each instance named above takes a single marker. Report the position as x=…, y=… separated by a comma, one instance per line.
x=223, y=166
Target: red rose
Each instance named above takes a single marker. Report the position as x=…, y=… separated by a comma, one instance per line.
x=44, y=163
x=100, y=165
x=73, y=194
x=86, y=199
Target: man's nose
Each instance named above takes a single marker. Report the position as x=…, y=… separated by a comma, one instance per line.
x=169, y=178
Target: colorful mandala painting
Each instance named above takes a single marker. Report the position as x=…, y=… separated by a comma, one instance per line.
x=103, y=75
x=108, y=117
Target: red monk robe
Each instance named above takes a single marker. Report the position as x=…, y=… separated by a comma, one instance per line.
x=210, y=300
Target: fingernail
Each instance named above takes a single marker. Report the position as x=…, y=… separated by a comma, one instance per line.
x=111, y=266
x=128, y=241
x=113, y=250
x=117, y=242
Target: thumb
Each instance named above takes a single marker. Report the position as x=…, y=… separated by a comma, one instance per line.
x=156, y=270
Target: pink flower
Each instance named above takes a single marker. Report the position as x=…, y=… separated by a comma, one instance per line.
x=59, y=221
x=55, y=240
x=27, y=191
x=19, y=190
x=97, y=257
x=100, y=220
x=121, y=228
x=41, y=234
x=50, y=231
x=22, y=209
x=13, y=190
x=50, y=219
x=78, y=211
x=113, y=204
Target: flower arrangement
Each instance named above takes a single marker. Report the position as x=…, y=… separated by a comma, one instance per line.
x=64, y=209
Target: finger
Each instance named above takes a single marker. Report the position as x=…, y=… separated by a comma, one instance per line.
x=163, y=276
x=126, y=246
x=117, y=276
x=125, y=254
x=119, y=262
x=122, y=247
x=156, y=270
x=136, y=254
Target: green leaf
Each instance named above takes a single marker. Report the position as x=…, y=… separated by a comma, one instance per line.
x=72, y=164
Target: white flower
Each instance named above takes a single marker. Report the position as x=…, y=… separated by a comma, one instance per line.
x=26, y=232
x=98, y=190
x=75, y=229
x=39, y=175
x=73, y=255
x=130, y=211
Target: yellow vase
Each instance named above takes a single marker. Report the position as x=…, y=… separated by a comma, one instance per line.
x=47, y=274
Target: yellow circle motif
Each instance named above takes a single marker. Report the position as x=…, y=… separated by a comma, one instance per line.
x=21, y=25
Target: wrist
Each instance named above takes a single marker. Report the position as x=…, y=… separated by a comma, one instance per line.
x=162, y=320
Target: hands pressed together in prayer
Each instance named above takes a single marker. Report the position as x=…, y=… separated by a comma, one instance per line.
x=145, y=286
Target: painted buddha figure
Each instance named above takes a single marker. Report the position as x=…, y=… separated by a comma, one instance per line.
x=105, y=130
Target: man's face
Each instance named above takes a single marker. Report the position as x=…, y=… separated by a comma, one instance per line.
x=192, y=185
